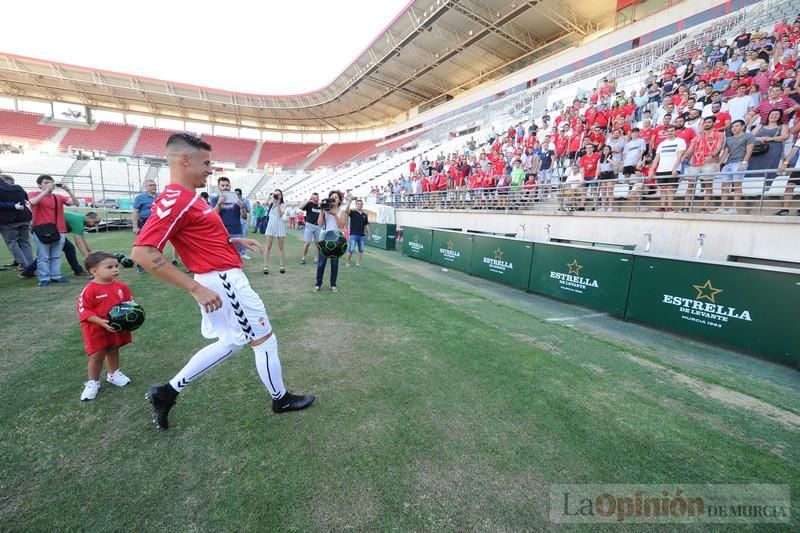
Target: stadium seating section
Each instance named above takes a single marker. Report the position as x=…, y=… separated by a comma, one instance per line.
x=337, y=154
x=106, y=137
x=233, y=150
x=151, y=142
x=24, y=127
x=285, y=155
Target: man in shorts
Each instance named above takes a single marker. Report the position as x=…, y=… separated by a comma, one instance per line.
x=359, y=231
x=703, y=155
x=231, y=310
x=666, y=164
x=735, y=158
x=311, y=231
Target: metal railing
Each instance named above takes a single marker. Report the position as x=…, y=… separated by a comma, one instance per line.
x=752, y=192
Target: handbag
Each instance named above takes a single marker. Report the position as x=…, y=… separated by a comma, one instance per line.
x=48, y=233
x=760, y=147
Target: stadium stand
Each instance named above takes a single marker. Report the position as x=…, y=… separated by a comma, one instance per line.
x=24, y=127
x=339, y=153
x=230, y=149
x=107, y=137
x=285, y=155
x=151, y=142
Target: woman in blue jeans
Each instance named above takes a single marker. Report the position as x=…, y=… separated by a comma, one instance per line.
x=48, y=208
x=333, y=220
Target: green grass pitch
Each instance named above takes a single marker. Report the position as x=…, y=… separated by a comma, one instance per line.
x=444, y=402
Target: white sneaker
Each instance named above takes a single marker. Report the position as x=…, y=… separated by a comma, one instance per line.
x=118, y=378
x=90, y=390
x=732, y=211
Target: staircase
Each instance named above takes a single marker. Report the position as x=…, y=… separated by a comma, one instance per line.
x=77, y=166
x=312, y=157
x=131, y=144
x=59, y=136
x=253, y=162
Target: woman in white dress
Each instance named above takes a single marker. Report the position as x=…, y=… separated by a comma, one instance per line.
x=275, y=229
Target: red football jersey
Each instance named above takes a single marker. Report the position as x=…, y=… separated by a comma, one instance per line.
x=194, y=228
x=97, y=299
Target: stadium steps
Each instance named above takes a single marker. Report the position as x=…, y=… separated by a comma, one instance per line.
x=253, y=162
x=131, y=144
x=313, y=157
x=59, y=136
x=76, y=167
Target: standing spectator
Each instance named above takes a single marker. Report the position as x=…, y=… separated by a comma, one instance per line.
x=311, y=230
x=359, y=231
x=259, y=217
x=246, y=202
x=774, y=100
x=739, y=106
x=15, y=222
x=292, y=217
x=735, y=157
x=332, y=219
x=142, y=205
x=632, y=154
x=142, y=208
x=231, y=210
x=49, y=228
x=772, y=133
x=275, y=230
x=589, y=164
x=666, y=164
x=703, y=156
x=607, y=173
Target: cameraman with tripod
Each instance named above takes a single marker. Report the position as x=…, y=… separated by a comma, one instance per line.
x=332, y=217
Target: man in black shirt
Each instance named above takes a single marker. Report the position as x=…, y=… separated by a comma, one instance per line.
x=15, y=222
x=311, y=233
x=359, y=232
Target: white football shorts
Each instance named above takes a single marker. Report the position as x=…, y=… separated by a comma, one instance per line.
x=242, y=317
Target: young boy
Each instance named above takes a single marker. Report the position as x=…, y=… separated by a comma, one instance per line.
x=102, y=342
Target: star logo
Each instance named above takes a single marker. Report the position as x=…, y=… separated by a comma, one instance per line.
x=450, y=245
x=574, y=267
x=498, y=254
x=707, y=291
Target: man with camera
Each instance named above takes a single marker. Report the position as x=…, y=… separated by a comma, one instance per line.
x=15, y=222
x=231, y=210
x=332, y=218
x=311, y=232
x=49, y=228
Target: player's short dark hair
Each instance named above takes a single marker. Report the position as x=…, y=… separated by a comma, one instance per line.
x=222, y=178
x=188, y=138
x=43, y=177
x=95, y=258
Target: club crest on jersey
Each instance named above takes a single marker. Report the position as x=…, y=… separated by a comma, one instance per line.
x=120, y=294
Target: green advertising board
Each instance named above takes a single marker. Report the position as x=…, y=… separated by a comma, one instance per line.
x=586, y=276
x=452, y=249
x=417, y=242
x=506, y=261
x=383, y=236
x=739, y=305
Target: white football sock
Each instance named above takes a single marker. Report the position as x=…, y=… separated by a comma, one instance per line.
x=269, y=367
x=202, y=362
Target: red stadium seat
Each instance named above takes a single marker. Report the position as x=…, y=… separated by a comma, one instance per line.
x=229, y=149
x=336, y=154
x=24, y=127
x=106, y=136
x=286, y=155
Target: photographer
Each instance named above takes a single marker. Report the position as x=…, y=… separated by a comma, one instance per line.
x=275, y=229
x=333, y=218
x=49, y=228
x=311, y=232
x=15, y=221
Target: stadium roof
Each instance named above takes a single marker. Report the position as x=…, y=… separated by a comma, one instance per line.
x=430, y=48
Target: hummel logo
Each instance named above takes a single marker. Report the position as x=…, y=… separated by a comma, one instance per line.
x=172, y=194
x=207, y=211
x=101, y=295
x=168, y=203
x=163, y=212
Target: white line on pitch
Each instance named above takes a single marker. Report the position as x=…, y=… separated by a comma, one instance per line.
x=579, y=317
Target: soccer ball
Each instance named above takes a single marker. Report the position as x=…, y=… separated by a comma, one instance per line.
x=127, y=316
x=124, y=260
x=332, y=243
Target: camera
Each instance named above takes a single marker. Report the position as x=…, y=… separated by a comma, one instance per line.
x=326, y=204
x=59, y=185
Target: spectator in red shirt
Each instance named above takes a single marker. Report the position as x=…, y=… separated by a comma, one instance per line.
x=774, y=100
x=49, y=228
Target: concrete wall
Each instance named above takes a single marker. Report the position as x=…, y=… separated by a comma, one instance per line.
x=673, y=234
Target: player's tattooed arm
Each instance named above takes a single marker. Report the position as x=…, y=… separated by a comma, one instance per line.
x=156, y=257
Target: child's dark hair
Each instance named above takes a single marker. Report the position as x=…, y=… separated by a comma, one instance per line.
x=95, y=258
